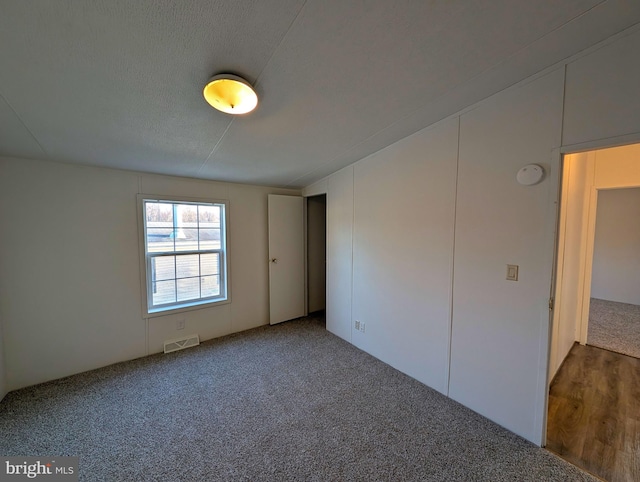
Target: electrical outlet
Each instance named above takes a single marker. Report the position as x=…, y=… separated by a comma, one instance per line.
x=180, y=324
x=357, y=325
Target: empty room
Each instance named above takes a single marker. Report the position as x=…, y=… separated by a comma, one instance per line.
x=304, y=240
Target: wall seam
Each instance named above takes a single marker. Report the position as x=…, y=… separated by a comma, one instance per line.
x=453, y=259
x=353, y=224
x=564, y=103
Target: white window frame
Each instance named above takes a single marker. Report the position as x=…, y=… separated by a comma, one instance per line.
x=150, y=311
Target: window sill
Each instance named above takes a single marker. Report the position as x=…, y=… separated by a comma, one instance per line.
x=198, y=305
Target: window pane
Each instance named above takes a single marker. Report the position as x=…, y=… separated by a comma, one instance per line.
x=188, y=289
x=209, y=216
x=209, y=264
x=186, y=240
x=187, y=215
x=159, y=239
x=172, y=229
x=163, y=268
x=210, y=239
x=159, y=213
x=210, y=286
x=163, y=292
x=187, y=266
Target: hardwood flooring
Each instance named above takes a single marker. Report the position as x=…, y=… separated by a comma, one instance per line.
x=594, y=413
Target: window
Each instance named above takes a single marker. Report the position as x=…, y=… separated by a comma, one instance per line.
x=184, y=253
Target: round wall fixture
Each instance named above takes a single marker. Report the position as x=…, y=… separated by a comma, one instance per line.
x=231, y=94
x=530, y=174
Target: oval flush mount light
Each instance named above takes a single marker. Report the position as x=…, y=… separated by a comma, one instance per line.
x=530, y=174
x=231, y=94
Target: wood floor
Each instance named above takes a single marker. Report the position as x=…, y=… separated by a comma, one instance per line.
x=594, y=413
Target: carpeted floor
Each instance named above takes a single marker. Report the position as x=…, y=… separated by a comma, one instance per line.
x=288, y=402
x=614, y=326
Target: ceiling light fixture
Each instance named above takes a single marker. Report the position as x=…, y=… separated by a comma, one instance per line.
x=231, y=94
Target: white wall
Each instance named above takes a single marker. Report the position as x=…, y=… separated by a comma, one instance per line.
x=70, y=280
x=402, y=252
x=500, y=329
x=499, y=325
x=616, y=255
x=70, y=270
x=601, y=99
x=316, y=253
x=339, y=188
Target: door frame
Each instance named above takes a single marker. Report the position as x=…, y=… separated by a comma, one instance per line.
x=557, y=159
x=590, y=248
x=306, y=245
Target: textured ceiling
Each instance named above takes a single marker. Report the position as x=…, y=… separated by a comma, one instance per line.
x=118, y=83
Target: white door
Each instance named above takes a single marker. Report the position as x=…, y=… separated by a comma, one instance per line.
x=286, y=258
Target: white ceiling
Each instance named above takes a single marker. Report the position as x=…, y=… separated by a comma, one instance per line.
x=119, y=83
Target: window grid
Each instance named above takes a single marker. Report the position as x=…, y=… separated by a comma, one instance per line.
x=203, y=230
x=176, y=277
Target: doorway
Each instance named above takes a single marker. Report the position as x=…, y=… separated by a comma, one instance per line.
x=613, y=175
x=316, y=254
x=592, y=389
x=614, y=309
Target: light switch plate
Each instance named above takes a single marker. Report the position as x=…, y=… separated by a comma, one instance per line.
x=512, y=272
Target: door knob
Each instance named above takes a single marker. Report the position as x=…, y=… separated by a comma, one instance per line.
x=274, y=260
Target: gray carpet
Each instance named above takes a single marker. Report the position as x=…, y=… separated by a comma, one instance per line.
x=289, y=402
x=614, y=326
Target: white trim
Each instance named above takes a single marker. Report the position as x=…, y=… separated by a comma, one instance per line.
x=605, y=143
x=546, y=317
x=559, y=249
x=305, y=229
x=583, y=320
x=318, y=188
x=548, y=326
